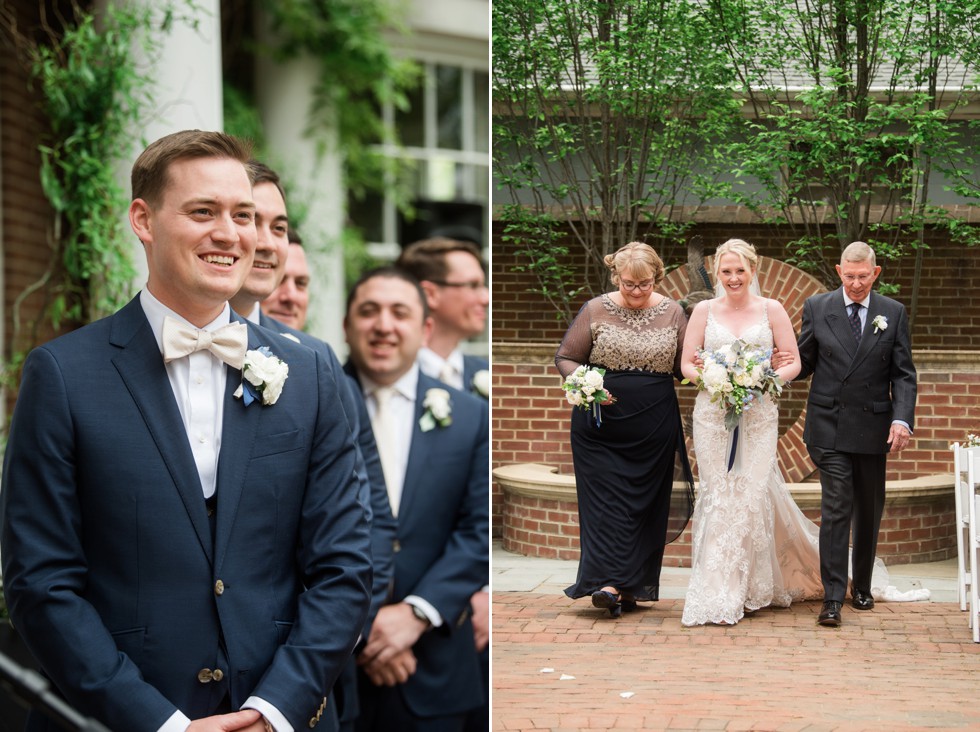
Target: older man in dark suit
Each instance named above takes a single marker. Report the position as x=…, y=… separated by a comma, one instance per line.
x=181, y=534
x=861, y=406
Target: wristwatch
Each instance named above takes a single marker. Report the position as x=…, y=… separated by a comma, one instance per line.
x=417, y=612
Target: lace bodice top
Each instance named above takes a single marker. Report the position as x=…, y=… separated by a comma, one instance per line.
x=619, y=338
x=717, y=335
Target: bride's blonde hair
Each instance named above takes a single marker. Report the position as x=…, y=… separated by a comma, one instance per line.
x=743, y=250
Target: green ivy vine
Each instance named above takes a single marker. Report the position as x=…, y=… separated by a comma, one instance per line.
x=92, y=94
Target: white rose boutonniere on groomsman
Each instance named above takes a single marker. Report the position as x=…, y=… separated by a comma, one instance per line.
x=880, y=323
x=438, y=410
x=481, y=383
x=263, y=376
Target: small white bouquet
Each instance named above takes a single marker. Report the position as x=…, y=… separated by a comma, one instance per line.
x=584, y=386
x=735, y=376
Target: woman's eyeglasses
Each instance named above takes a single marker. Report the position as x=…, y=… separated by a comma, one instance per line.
x=645, y=286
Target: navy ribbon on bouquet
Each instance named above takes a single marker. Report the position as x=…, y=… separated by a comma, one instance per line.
x=734, y=449
x=597, y=414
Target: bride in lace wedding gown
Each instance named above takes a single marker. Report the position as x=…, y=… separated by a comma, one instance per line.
x=752, y=546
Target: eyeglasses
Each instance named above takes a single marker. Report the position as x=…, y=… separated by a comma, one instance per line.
x=644, y=286
x=474, y=285
x=851, y=279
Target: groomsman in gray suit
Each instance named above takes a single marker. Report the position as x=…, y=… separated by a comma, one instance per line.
x=419, y=665
x=861, y=407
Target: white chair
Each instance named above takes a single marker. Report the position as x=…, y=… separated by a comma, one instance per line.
x=962, y=493
x=973, y=480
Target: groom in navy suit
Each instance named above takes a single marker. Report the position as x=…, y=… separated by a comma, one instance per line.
x=420, y=666
x=183, y=548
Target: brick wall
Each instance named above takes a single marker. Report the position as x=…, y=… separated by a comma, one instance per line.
x=910, y=532
x=948, y=310
x=27, y=217
x=530, y=418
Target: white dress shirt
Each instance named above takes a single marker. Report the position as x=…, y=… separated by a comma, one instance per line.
x=402, y=406
x=198, y=382
x=447, y=370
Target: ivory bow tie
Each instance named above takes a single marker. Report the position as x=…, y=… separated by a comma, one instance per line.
x=228, y=343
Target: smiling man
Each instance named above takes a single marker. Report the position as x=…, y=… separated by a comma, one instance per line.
x=171, y=554
x=451, y=274
x=290, y=301
x=861, y=407
x=420, y=667
x=271, y=225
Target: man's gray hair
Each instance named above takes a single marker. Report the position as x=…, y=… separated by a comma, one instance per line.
x=858, y=251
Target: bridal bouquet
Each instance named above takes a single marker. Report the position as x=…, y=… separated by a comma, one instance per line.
x=735, y=376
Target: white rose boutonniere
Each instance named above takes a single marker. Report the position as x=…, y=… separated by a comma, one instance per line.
x=880, y=323
x=263, y=376
x=438, y=410
x=481, y=383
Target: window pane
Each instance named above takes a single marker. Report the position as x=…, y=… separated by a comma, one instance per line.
x=368, y=215
x=448, y=109
x=411, y=124
x=481, y=111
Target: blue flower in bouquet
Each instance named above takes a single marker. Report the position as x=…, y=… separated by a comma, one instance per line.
x=735, y=376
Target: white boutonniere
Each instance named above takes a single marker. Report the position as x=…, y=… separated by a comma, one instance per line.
x=880, y=323
x=481, y=383
x=263, y=376
x=438, y=410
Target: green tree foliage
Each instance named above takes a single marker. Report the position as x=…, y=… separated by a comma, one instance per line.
x=850, y=128
x=606, y=114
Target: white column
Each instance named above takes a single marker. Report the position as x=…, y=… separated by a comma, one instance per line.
x=312, y=172
x=186, y=90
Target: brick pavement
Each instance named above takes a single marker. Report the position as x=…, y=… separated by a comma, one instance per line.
x=901, y=666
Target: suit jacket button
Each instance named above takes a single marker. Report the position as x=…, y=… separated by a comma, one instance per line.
x=396, y=546
x=205, y=675
x=219, y=588
x=217, y=674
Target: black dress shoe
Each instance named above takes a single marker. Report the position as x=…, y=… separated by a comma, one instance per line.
x=862, y=600
x=830, y=614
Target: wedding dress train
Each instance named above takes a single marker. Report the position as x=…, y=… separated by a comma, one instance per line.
x=752, y=546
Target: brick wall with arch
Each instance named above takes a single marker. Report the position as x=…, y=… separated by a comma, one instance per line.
x=530, y=416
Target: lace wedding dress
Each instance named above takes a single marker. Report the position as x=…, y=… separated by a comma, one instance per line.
x=753, y=547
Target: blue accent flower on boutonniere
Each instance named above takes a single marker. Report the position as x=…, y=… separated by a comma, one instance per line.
x=438, y=410
x=880, y=323
x=263, y=376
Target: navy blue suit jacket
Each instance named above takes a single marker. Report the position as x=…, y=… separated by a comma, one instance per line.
x=110, y=567
x=371, y=478
x=442, y=553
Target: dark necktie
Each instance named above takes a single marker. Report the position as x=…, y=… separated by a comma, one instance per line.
x=855, y=320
